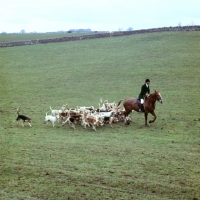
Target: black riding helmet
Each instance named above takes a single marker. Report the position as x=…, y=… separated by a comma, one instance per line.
x=147, y=80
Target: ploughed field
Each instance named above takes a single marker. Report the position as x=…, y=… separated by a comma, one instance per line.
x=123, y=162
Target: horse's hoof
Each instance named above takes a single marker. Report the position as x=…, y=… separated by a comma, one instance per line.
x=150, y=121
x=147, y=125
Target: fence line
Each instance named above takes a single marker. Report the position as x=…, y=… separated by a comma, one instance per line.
x=99, y=35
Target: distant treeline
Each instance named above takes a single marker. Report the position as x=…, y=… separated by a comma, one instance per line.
x=79, y=30
x=99, y=35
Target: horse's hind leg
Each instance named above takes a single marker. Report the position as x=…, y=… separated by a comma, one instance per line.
x=145, y=115
x=153, y=113
x=126, y=118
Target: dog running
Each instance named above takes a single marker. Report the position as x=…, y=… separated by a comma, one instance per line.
x=23, y=118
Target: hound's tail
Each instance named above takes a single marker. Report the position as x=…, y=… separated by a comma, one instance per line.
x=18, y=109
x=47, y=112
x=118, y=104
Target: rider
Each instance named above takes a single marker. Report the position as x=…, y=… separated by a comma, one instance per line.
x=145, y=89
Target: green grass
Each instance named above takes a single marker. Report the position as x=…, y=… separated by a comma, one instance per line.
x=123, y=162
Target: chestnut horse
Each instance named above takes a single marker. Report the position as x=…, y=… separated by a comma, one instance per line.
x=131, y=104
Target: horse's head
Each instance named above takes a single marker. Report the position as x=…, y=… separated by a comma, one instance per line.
x=158, y=96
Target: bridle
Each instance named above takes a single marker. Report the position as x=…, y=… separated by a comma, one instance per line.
x=155, y=98
x=150, y=98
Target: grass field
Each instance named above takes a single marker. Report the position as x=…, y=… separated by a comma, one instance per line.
x=123, y=162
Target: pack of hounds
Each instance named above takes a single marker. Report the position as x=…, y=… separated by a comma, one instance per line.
x=87, y=116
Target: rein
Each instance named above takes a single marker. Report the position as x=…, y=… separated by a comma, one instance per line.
x=150, y=98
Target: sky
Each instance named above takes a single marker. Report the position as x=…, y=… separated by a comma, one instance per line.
x=97, y=15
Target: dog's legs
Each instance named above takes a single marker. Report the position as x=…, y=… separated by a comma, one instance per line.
x=83, y=123
x=23, y=123
x=86, y=124
x=29, y=124
x=110, y=121
x=73, y=126
x=65, y=121
x=93, y=126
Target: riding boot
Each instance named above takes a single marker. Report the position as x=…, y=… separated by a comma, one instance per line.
x=139, y=105
x=141, y=108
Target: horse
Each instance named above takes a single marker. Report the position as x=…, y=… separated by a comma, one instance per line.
x=131, y=104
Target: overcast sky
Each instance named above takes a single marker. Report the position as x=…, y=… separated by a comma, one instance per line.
x=98, y=15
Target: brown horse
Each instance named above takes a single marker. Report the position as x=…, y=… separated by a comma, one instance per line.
x=131, y=104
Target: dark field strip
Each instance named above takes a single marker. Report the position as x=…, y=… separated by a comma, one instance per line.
x=99, y=35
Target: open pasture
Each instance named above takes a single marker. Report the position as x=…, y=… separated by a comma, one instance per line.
x=123, y=162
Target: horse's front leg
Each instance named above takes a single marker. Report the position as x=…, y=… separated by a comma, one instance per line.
x=153, y=113
x=145, y=115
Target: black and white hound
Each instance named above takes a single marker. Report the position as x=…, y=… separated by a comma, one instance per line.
x=23, y=118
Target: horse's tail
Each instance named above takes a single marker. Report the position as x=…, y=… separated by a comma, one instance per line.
x=118, y=104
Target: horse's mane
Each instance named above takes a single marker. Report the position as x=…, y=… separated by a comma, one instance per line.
x=151, y=95
x=155, y=92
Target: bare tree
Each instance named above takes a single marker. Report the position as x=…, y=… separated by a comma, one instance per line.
x=129, y=29
x=22, y=31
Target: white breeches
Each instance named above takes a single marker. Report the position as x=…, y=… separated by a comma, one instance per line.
x=141, y=101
